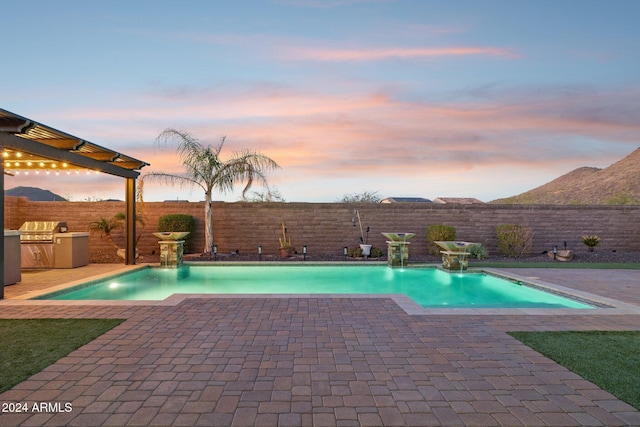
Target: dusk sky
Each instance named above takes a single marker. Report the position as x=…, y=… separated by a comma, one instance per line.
x=482, y=99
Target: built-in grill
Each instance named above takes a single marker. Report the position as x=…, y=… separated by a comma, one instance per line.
x=37, y=243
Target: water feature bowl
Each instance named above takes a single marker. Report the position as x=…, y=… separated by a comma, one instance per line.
x=454, y=246
x=171, y=235
x=398, y=237
x=398, y=248
x=454, y=254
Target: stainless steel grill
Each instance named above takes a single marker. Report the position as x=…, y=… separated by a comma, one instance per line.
x=36, y=243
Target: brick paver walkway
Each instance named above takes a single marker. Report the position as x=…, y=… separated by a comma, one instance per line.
x=317, y=361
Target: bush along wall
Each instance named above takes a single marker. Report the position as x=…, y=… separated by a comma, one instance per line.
x=179, y=222
x=439, y=232
x=514, y=240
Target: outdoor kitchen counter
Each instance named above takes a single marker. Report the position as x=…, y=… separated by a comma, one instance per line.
x=12, y=271
x=71, y=249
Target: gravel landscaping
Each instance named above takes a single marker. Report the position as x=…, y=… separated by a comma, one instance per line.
x=108, y=257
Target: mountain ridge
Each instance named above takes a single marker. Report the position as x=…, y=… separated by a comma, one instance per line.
x=618, y=183
x=35, y=194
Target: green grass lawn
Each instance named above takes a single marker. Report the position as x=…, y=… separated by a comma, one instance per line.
x=30, y=345
x=609, y=359
x=583, y=265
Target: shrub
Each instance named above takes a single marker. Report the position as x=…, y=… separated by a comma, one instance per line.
x=591, y=241
x=477, y=251
x=622, y=199
x=178, y=222
x=356, y=252
x=514, y=240
x=439, y=232
x=376, y=252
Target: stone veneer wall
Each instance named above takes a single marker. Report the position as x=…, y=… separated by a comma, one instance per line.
x=327, y=227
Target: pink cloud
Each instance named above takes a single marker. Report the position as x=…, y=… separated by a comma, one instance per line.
x=343, y=136
x=377, y=54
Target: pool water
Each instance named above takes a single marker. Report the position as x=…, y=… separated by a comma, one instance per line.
x=429, y=287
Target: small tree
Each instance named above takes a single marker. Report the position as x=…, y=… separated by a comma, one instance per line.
x=364, y=197
x=269, y=194
x=514, y=240
x=104, y=227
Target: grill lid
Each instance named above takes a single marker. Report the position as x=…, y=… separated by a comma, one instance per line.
x=38, y=231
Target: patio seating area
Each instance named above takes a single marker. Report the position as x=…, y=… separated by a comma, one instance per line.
x=316, y=361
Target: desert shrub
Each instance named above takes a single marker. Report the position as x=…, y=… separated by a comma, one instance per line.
x=477, y=251
x=376, y=252
x=178, y=222
x=621, y=199
x=356, y=252
x=514, y=240
x=439, y=232
x=591, y=241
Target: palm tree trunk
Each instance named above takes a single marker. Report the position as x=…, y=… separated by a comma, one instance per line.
x=208, y=224
x=110, y=239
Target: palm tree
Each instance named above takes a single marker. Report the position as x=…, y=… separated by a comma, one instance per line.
x=105, y=226
x=205, y=169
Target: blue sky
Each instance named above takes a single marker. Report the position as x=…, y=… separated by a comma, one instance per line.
x=481, y=99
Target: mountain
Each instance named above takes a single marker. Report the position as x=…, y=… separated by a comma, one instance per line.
x=34, y=194
x=616, y=184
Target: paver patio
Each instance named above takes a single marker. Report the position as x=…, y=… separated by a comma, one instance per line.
x=321, y=361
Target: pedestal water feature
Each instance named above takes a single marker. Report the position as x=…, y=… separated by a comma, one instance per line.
x=171, y=247
x=398, y=248
x=454, y=254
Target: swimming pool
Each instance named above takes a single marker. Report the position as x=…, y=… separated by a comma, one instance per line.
x=428, y=287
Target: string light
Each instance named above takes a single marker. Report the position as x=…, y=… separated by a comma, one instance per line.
x=23, y=163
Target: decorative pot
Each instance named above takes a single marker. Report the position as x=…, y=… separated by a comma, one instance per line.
x=286, y=252
x=366, y=250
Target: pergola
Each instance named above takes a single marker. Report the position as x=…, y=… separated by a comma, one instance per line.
x=27, y=142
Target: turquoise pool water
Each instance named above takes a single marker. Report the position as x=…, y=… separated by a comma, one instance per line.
x=428, y=287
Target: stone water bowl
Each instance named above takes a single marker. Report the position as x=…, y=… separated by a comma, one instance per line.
x=454, y=246
x=171, y=235
x=398, y=237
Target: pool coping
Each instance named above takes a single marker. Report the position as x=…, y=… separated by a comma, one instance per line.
x=612, y=306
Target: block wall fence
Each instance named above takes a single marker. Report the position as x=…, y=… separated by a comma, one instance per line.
x=327, y=227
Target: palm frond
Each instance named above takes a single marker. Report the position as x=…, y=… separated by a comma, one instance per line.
x=187, y=144
x=172, y=179
x=246, y=166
